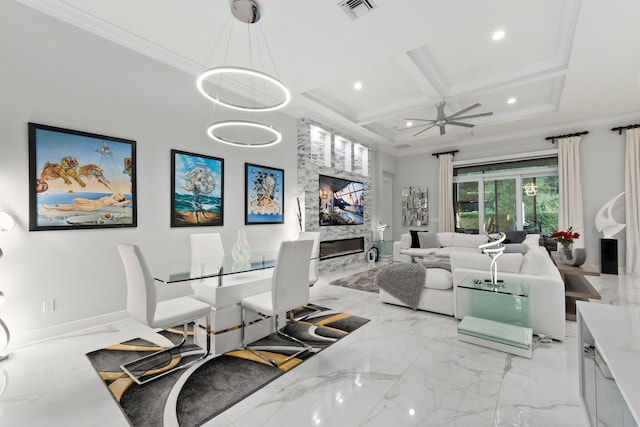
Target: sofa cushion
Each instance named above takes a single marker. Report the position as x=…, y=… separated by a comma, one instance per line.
x=428, y=240
x=437, y=278
x=516, y=248
x=515, y=236
x=468, y=240
x=445, y=238
x=405, y=241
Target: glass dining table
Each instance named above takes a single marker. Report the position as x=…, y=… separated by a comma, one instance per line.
x=223, y=283
x=222, y=268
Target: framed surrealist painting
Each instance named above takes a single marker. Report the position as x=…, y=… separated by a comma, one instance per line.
x=80, y=180
x=197, y=189
x=264, y=195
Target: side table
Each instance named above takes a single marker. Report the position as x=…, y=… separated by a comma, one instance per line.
x=385, y=248
x=576, y=286
x=496, y=317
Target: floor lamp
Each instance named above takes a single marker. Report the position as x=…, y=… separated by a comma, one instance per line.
x=6, y=223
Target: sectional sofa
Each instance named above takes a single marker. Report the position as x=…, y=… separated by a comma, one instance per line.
x=528, y=263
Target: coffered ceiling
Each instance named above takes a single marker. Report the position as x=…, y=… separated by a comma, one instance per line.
x=565, y=62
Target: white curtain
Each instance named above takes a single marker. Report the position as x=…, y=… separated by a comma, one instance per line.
x=570, y=211
x=632, y=201
x=445, y=198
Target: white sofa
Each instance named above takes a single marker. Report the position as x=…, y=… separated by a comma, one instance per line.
x=535, y=268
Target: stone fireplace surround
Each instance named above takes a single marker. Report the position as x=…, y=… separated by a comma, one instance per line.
x=327, y=155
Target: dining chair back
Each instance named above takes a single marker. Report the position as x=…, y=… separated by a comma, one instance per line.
x=315, y=254
x=206, y=245
x=290, y=273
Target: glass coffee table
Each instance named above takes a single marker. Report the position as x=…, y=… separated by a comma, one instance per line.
x=496, y=317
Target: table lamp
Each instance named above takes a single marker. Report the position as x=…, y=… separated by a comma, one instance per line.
x=6, y=223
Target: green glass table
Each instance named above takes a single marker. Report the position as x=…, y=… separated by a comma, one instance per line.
x=495, y=316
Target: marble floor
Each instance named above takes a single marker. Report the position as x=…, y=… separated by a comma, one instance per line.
x=403, y=368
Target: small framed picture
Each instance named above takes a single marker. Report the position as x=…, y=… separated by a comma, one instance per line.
x=196, y=190
x=80, y=180
x=264, y=195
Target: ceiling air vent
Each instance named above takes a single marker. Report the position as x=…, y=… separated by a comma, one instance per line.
x=402, y=146
x=356, y=8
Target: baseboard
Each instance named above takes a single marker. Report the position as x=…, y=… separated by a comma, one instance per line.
x=44, y=334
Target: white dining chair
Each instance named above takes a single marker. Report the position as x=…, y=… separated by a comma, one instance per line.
x=143, y=305
x=289, y=290
x=314, y=262
x=206, y=245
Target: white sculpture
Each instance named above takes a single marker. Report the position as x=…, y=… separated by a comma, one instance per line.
x=381, y=229
x=604, y=221
x=494, y=249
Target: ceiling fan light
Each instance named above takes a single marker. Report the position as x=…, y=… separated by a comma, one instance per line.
x=409, y=124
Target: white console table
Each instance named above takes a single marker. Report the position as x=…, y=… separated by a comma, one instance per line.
x=609, y=355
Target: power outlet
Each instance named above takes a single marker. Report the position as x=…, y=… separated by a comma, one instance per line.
x=48, y=305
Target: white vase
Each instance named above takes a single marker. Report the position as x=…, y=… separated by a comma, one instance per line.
x=241, y=251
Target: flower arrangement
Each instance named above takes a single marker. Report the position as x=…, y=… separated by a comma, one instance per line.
x=565, y=238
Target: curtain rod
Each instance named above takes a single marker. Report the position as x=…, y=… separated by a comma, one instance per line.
x=553, y=138
x=445, y=152
x=621, y=128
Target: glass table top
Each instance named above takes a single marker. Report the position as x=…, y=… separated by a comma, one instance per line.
x=185, y=270
x=508, y=288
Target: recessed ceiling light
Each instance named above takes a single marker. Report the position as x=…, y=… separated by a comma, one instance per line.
x=498, y=35
x=511, y=101
x=357, y=85
x=408, y=124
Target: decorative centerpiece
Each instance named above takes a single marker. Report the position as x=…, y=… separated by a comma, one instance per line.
x=568, y=255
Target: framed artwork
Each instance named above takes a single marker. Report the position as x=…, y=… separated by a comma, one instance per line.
x=80, y=180
x=264, y=195
x=197, y=189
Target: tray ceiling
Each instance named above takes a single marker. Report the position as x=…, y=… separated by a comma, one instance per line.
x=564, y=61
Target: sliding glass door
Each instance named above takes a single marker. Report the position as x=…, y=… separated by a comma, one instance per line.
x=512, y=197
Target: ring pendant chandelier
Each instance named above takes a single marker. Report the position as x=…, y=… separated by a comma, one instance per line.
x=257, y=85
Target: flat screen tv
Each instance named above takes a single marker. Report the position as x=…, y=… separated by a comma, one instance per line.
x=341, y=201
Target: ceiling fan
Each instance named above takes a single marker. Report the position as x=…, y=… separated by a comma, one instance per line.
x=441, y=120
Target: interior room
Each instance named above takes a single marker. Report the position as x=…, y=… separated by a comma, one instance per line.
x=384, y=97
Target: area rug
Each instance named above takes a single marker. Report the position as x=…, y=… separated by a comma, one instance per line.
x=193, y=396
x=362, y=281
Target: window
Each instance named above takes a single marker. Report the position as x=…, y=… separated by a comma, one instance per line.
x=519, y=195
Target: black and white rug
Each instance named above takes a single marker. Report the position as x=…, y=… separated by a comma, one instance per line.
x=192, y=396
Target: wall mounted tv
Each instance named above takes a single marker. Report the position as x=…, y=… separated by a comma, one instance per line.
x=341, y=201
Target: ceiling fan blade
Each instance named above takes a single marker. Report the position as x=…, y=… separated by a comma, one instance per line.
x=421, y=120
x=442, y=132
x=467, y=125
x=474, y=116
x=440, y=106
x=424, y=130
x=454, y=115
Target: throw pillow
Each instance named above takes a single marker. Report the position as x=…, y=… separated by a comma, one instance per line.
x=428, y=240
x=515, y=248
x=515, y=236
x=415, y=242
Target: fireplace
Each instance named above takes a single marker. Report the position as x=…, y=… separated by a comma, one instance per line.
x=341, y=247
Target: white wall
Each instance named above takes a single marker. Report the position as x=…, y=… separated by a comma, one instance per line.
x=602, y=175
x=55, y=74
